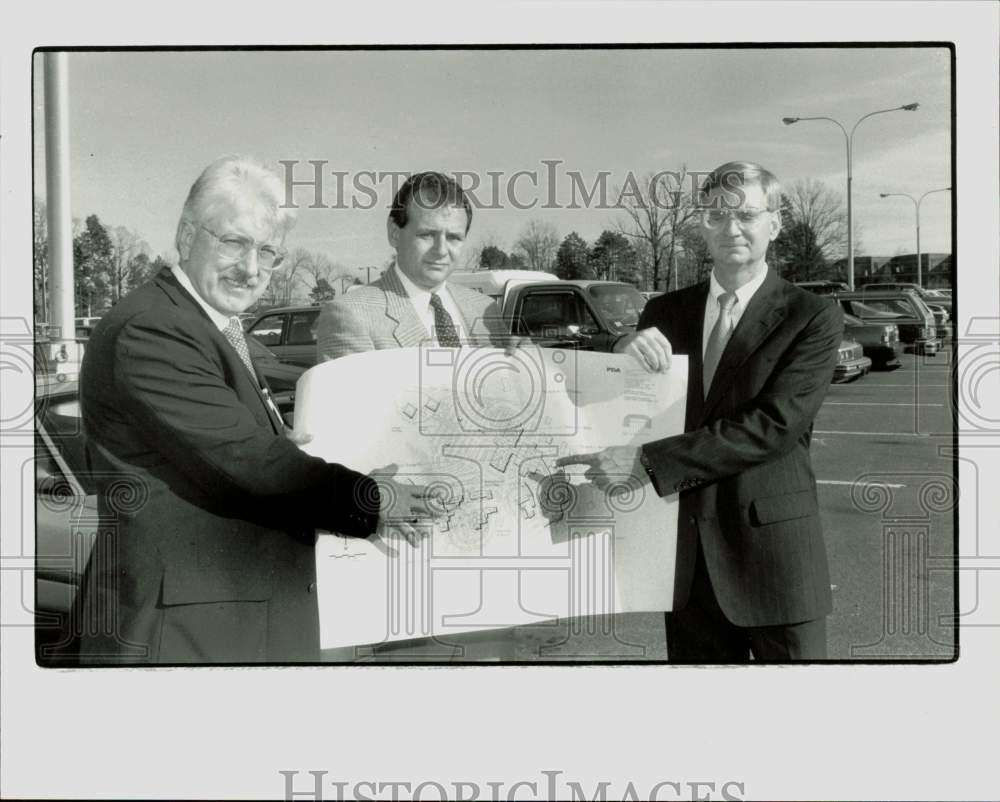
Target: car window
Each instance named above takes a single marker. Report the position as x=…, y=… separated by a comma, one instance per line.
x=268, y=329
x=552, y=314
x=302, y=328
x=620, y=305
x=896, y=306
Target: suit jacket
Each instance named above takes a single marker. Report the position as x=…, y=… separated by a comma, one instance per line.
x=742, y=467
x=380, y=315
x=205, y=551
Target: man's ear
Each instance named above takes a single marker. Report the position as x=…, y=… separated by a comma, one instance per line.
x=185, y=239
x=775, y=225
x=392, y=232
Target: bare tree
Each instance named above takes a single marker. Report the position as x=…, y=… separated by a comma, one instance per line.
x=814, y=205
x=40, y=259
x=538, y=243
x=659, y=208
x=286, y=280
x=126, y=247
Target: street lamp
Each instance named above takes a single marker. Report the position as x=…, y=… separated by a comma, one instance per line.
x=916, y=206
x=849, y=139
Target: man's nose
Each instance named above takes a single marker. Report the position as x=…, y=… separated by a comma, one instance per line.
x=731, y=226
x=441, y=244
x=249, y=263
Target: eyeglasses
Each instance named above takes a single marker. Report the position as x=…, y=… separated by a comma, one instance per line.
x=234, y=248
x=716, y=218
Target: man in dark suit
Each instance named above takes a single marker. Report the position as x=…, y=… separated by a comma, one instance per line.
x=206, y=547
x=752, y=573
x=412, y=304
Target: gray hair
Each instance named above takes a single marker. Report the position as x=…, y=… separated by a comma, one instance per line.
x=227, y=182
x=732, y=176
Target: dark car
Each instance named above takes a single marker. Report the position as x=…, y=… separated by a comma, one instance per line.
x=280, y=377
x=289, y=331
x=880, y=341
x=65, y=516
x=822, y=287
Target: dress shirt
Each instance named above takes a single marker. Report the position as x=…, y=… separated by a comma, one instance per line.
x=421, y=300
x=743, y=296
x=220, y=320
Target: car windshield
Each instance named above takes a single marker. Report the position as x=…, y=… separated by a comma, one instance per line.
x=619, y=304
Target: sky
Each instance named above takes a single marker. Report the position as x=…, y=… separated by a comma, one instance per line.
x=143, y=125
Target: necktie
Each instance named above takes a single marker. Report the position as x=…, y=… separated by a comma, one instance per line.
x=718, y=338
x=444, y=326
x=234, y=333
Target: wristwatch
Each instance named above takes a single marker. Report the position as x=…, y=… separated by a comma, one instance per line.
x=644, y=462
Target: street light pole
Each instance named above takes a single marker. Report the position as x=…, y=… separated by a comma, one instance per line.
x=849, y=140
x=916, y=208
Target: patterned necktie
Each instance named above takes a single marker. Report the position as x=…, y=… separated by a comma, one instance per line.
x=234, y=333
x=444, y=326
x=717, y=339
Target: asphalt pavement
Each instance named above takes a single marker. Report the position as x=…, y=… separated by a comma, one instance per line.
x=882, y=450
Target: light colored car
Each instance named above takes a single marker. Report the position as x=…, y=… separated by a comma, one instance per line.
x=851, y=361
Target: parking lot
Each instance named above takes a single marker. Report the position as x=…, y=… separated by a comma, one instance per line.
x=881, y=454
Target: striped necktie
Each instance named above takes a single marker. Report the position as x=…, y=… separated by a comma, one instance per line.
x=234, y=333
x=717, y=339
x=444, y=326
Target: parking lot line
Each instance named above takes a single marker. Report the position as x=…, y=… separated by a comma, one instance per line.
x=875, y=404
x=858, y=484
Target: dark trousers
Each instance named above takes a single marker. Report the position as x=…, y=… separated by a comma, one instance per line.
x=701, y=633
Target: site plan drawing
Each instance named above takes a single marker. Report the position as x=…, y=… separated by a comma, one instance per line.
x=522, y=540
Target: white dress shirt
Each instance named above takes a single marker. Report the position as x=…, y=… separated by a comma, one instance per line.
x=421, y=300
x=220, y=320
x=743, y=296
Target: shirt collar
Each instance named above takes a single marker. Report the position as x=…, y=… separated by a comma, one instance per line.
x=220, y=320
x=744, y=293
x=418, y=295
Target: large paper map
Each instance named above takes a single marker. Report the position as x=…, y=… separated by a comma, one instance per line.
x=522, y=540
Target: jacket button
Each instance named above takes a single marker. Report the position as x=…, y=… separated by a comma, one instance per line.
x=311, y=587
x=692, y=520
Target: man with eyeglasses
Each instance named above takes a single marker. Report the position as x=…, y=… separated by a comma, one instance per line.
x=208, y=511
x=752, y=575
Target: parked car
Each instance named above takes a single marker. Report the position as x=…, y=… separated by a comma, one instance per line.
x=66, y=504
x=649, y=296
x=903, y=308
x=495, y=282
x=880, y=341
x=281, y=377
x=65, y=517
x=927, y=296
x=289, y=332
x=851, y=362
x=942, y=321
x=822, y=287
x=586, y=315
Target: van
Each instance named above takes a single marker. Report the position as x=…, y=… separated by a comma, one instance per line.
x=495, y=283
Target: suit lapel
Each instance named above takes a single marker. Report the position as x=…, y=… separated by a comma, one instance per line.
x=181, y=297
x=765, y=311
x=407, y=328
